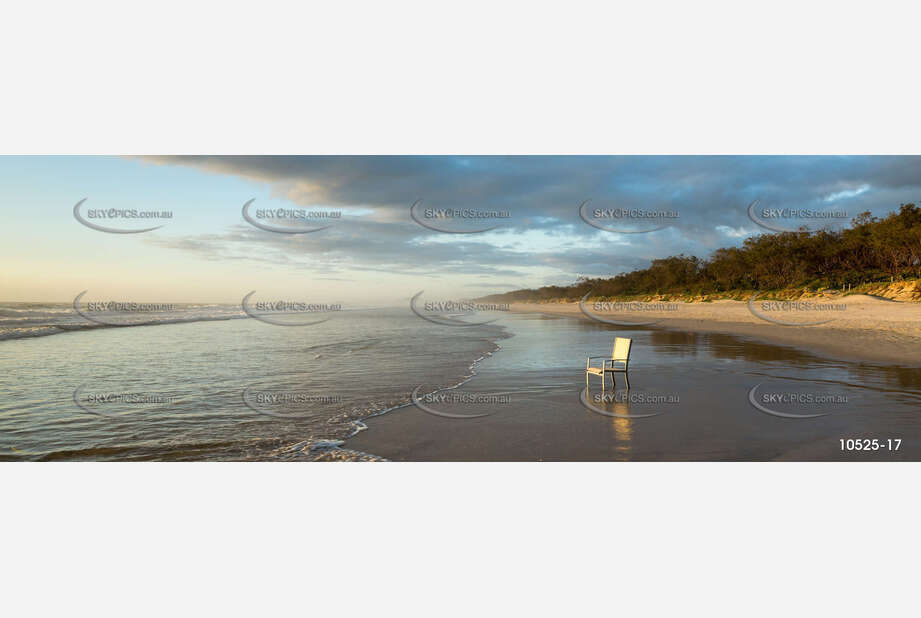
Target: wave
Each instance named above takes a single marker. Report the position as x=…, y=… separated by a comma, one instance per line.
x=27, y=332
x=325, y=449
x=8, y=312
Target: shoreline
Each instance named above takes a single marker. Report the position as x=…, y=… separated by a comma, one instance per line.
x=870, y=330
x=337, y=449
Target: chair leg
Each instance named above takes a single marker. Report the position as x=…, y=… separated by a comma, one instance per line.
x=627, y=379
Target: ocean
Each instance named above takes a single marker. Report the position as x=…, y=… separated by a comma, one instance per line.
x=209, y=383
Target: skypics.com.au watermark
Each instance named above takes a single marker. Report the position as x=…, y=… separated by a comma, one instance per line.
x=128, y=306
x=112, y=403
x=456, y=404
x=627, y=220
x=455, y=312
x=288, y=312
x=287, y=220
x=94, y=218
x=445, y=220
x=781, y=311
x=793, y=219
x=286, y=403
x=629, y=404
x=790, y=404
x=121, y=312
x=616, y=309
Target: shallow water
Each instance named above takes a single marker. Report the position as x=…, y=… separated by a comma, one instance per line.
x=690, y=399
x=176, y=391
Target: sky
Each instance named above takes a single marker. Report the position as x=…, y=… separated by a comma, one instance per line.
x=375, y=254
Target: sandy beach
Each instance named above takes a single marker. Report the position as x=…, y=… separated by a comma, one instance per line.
x=862, y=328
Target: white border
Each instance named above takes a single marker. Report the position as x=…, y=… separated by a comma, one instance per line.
x=414, y=77
x=484, y=78
x=459, y=539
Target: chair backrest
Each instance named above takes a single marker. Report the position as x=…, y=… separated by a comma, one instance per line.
x=621, y=348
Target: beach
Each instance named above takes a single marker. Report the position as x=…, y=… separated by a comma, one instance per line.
x=866, y=328
x=691, y=399
x=385, y=384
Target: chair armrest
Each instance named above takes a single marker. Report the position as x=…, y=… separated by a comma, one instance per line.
x=588, y=361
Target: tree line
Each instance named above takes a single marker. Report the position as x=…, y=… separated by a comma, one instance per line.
x=871, y=249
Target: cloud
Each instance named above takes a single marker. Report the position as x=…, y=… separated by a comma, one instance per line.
x=733, y=232
x=848, y=193
x=544, y=240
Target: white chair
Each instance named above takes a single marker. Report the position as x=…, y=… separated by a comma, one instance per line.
x=620, y=359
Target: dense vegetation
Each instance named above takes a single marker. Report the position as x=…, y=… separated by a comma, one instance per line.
x=871, y=249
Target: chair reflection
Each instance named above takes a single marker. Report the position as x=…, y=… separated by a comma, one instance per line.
x=615, y=405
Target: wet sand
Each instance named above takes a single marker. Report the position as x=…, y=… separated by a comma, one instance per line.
x=867, y=328
x=696, y=385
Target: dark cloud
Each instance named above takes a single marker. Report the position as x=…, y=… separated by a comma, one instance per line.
x=542, y=195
